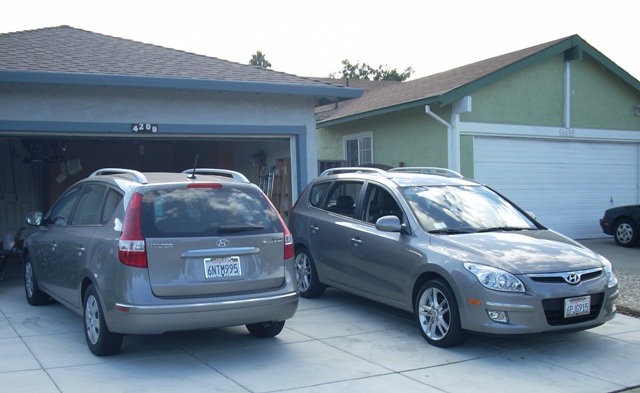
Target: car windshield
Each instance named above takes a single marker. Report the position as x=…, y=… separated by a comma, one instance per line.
x=463, y=209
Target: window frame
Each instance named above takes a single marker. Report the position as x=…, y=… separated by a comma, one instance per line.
x=359, y=137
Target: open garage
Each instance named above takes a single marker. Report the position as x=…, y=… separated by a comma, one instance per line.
x=73, y=101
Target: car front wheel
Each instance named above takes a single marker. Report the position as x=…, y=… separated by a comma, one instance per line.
x=99, y=339
x=437, y=314
x=307, y=275
x=265, y=329
x=626, y=233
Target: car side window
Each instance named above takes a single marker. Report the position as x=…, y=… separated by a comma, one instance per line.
x=60, y=212
x=111, y=202
x=343, y=197
x=88, y=209
x=316, y=193
x=379, y=203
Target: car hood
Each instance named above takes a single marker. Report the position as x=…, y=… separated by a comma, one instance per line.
x=522, y=252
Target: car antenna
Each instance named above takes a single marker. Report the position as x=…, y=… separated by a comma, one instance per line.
x=195, y=165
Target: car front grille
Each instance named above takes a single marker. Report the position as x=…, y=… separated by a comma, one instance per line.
x=554, y=311
x=560, y=278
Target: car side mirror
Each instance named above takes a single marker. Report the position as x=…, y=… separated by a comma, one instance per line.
x=35, y=218
x=389, y=224
x=531, y=214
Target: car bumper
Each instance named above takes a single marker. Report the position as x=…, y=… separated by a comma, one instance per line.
x=156, y=319
x=606, y=226
x=530, y=314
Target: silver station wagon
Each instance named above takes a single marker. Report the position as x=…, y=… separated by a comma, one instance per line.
x=148, y=253
x=458, y=255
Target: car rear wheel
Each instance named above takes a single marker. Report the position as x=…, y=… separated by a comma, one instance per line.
x=99, y=339
x=35, y=296
x=437, y=314
x=307, y=275
x=626, y=233
x=265, y=329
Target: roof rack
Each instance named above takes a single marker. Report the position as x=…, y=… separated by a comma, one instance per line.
x=428, y=170
x=356, y=169
x=218, y=172
x=138, y=176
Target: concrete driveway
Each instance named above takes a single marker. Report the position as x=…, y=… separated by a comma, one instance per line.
x=337, y=343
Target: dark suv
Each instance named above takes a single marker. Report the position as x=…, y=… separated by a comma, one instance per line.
x=455, y=253
x=147, y=253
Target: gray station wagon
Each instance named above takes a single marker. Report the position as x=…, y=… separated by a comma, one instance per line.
x=148, y=253
x=455, y=253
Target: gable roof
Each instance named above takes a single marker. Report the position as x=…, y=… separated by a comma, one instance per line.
x=72, y=56
x=446, y=87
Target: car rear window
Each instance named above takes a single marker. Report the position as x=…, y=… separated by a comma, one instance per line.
x=197, y=212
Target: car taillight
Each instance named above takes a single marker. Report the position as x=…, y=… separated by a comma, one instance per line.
x=289, y=251
x=131, y=246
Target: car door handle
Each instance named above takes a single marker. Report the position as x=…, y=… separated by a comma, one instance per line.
x=314, y=227
x=356, y=240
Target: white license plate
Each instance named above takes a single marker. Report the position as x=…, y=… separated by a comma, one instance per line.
x=576, y=306
x=222, y=267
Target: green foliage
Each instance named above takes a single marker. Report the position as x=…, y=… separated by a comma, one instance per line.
x=365, y=71
x=260, y=59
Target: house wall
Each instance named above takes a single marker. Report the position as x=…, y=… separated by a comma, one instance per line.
x=409, y=136
x=109, y=112
x=535, y=97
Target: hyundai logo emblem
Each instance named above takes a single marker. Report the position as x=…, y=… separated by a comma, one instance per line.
x=222, y=243
x=572, y=278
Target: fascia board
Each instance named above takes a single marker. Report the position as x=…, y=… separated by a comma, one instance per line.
x=377, y=112
x=178, y=83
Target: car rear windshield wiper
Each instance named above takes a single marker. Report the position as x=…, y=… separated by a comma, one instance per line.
x=239, y=228
x=449, y=231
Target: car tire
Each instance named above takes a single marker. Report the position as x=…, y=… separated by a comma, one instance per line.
x=437, y=314
x=626, y=233
x=266, y=329
x=99, y=339
x=307, y=275
x=35, y=296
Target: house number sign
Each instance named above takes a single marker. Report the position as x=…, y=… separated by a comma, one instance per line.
x=144, y=127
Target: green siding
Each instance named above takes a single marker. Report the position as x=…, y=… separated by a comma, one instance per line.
x=534, y=96
x=408, y=136
x=600, y=99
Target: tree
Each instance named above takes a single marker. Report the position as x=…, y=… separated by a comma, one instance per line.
x=365, y=71
x=260, y=59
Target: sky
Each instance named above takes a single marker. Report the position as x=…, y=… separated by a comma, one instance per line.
x=312, y=38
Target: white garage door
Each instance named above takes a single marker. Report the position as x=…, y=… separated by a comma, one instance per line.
x=567, y=185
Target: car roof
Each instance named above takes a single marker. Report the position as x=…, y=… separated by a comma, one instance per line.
x=118, y=175
x=403, y=177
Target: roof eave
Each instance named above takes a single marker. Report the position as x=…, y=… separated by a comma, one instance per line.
x=321, y=93
x=377, y=112
x=566, y=46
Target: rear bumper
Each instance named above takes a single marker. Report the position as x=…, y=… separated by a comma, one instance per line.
x=157, y=319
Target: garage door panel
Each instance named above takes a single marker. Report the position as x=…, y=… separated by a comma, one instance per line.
x=568, y=185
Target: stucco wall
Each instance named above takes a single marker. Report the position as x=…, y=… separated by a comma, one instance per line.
x=409, y=136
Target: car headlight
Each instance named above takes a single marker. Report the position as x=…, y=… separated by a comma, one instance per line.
x=494, y=278
x=608, y=271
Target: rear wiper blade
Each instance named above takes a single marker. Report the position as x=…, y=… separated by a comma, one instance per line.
x=449, y=231
x=239, y=228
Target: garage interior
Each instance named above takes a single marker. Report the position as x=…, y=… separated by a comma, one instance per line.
x=36, y=171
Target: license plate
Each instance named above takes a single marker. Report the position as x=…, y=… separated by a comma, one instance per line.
x=222, y=267
x=576, y=306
